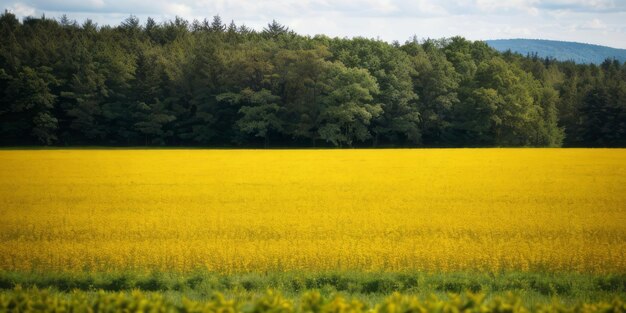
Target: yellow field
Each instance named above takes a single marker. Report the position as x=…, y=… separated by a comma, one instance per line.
x=228, y=211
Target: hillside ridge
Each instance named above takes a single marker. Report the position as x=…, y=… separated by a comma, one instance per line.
x=560, y=50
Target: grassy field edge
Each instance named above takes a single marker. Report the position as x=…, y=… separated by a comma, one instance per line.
x=37, y=300
x=533, y=287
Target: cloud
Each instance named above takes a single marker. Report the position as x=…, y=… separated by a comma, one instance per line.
x=179, y=9
x=600, y=6
x=593, y=25
x=21, y=9
x=353, y=8
x=499, y=6
x=595, y=21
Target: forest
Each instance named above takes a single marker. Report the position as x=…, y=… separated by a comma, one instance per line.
x=216, y=84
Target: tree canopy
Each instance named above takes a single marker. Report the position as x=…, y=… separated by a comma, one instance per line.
x=216, y=83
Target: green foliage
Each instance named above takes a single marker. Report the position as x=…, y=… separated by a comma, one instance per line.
x=260, y=113
x=568, y=287
x=42, y=300
x=150, y=120
x=347, y=108
x=173, y=84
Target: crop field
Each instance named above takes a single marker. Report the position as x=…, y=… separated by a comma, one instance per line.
x=392, y=210
x=265, y=212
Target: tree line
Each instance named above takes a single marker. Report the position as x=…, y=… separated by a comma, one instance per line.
x=208, y=83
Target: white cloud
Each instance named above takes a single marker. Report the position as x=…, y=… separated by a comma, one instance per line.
x=594, y=21
x=510, y=5
x=21, y=9
x=178, y=9
x=594, y=24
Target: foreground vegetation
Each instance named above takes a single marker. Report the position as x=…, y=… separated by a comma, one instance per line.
x=318, y=210
x=20, y=300
x=369, y=287
x=203, y=83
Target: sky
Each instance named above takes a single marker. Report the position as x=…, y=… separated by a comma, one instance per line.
x=600, y=22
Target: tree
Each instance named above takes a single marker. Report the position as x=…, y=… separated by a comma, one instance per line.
x=436, y=83
x=348, y=107
x=217, y=25
x=391, y=67
x=524, y=112
x=548, y=131
x=205, y=83
x=85, y=94
x=299, y=76
x=151, y=120
x=131, y=26
x=604, y=117
x=274, y=30
x=31, y=105
x=45, y=126
x=476, y=119
x=259, y=112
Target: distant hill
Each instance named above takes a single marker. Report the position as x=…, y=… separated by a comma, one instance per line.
x=560, y=50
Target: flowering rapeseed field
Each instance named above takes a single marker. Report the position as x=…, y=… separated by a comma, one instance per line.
x=370, y=210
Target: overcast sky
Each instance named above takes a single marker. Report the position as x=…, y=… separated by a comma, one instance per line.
x=590, y=21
